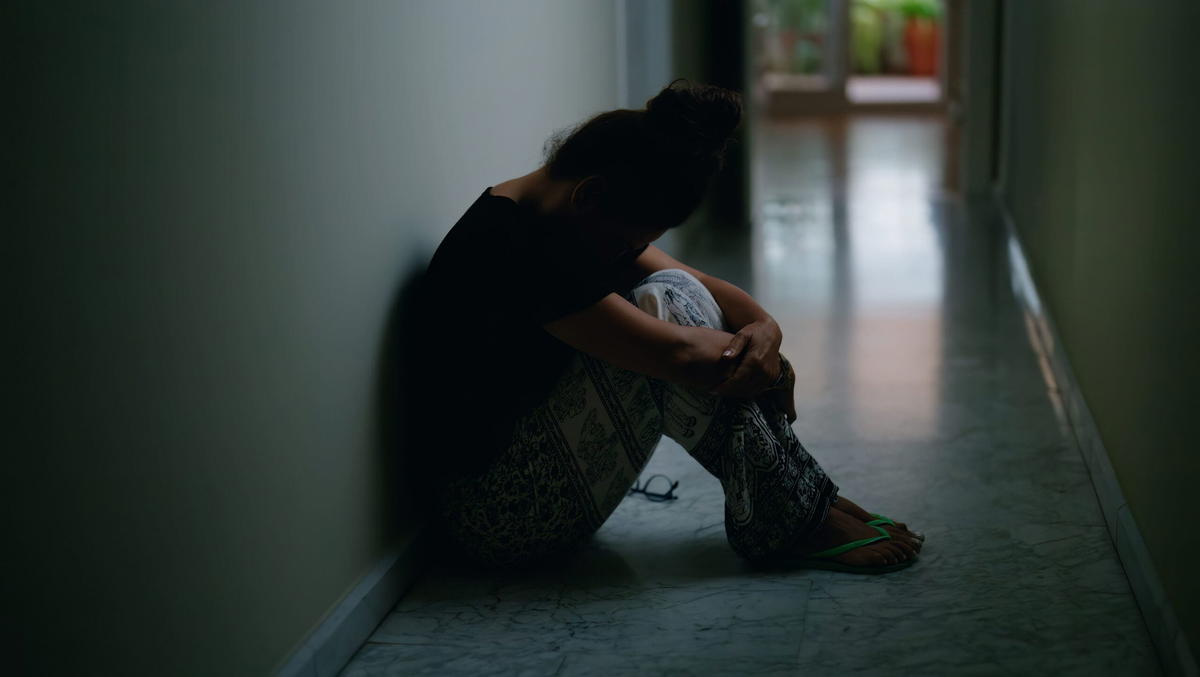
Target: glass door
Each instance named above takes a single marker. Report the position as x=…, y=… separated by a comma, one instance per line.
x=829, y=56
x=895, y=51
x=800, y=54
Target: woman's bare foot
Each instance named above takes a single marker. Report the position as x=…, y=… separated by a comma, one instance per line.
x=842, y=528
x=851, y=508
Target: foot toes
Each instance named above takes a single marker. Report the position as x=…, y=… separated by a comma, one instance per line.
x=910, y=542
x=901, y=528
x=895, y=557
x=869, y=556
x=905, y=537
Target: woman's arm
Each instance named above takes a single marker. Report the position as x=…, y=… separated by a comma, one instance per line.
x=620, y=333
x=755, y=346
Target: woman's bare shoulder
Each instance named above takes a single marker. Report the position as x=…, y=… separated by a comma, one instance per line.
x=510, y=189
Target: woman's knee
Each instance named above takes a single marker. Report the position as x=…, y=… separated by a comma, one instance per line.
x=676, y=277
x=675, y=295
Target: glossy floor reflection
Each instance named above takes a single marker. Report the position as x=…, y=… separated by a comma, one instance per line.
x=917, y=391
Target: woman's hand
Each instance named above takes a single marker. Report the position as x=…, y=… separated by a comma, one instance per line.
x=783, y=395
x=755, y=351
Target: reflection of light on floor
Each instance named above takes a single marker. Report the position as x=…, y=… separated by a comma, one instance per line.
x=894, y=380
x=800, y=258
x=896, y=261
x=850, y=264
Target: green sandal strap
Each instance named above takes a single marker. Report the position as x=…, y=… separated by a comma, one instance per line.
x=839, y=549
x=881, y=520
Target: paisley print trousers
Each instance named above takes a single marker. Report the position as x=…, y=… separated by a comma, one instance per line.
x=573, y=457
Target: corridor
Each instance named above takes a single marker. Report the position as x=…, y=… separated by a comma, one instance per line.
x=917, y=389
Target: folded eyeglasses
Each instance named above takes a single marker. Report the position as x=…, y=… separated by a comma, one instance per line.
x=660, y=495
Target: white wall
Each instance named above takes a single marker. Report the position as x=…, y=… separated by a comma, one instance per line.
x=216, y=206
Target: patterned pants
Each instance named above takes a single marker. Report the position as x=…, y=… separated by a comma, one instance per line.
x=575, y=456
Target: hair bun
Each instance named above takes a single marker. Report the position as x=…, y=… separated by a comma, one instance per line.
x=698, y=119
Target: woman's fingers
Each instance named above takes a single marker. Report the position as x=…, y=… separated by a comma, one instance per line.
x=747, y=380
x=750, y=374
x=730, y=360
x=736, y=345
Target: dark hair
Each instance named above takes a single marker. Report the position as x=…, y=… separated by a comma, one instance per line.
x=657, y=162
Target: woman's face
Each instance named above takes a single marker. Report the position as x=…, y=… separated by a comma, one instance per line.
x=608, y=239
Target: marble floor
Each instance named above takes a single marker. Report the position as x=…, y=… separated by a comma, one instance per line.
x=918, y=392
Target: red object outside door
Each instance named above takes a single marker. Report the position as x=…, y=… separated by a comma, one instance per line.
x=921, y=43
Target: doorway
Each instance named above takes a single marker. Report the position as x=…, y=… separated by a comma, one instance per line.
x=829, y=56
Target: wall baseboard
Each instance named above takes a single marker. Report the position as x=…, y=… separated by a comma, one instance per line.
x=342, y=632
x=1174, y=652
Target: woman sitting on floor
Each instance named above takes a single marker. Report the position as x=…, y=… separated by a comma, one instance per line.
x=584, y=344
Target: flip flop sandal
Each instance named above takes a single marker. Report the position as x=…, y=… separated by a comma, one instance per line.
x=881, y=519
x=823, y=559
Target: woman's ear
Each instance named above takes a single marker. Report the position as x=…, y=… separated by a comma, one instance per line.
x=588, y=192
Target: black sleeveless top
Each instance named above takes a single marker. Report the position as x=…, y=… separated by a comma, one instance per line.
x=495, y=279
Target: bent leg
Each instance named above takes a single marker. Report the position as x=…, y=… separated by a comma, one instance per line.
x=571, y=461
x=572, y=458
x=775, y=492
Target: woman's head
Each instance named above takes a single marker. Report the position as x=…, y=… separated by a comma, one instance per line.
x=648, y=168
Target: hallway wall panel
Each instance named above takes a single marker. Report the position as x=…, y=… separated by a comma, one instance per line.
x=1098, y=168
x=216, y=207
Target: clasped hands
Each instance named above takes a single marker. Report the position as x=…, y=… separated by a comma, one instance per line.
x=752, y=364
